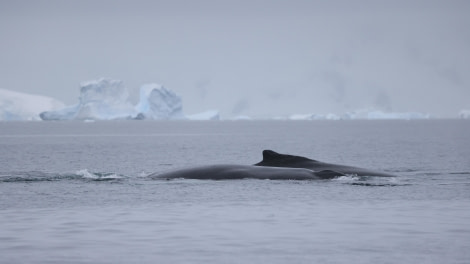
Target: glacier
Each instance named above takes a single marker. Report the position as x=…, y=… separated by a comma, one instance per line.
x=16, y=106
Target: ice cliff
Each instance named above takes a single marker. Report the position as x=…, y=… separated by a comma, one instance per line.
x=22, y=106
x=158, y=103
x=102, y=99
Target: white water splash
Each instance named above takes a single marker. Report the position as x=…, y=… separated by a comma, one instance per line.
x=97, y=176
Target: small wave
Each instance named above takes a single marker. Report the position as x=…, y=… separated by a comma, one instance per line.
x=401, y=170
x=29, y=176
x=143, y=174
x=370, y=181
x=98, y=176
x=38, y=176
x=348, y=178
x=441, y=173
x=429, y=173
x=377, y=184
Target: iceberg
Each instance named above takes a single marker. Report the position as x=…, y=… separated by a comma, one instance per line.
x=314, y=117
x=66, y=113
x=107, y=99
x=380, y=115
x=22, y=106
x=207, y=115
x=158, y=103
x=362, y=115
x=403, y=116
x=464, y=114
x=102, y=99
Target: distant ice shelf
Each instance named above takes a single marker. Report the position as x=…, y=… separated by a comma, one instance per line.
x=15, y=106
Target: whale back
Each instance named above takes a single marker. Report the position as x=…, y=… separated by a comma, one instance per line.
x=235, y=171
x=274, y=159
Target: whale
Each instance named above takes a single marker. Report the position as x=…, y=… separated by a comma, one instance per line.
x=235, y=172
x=274, y=166
x=274, y=159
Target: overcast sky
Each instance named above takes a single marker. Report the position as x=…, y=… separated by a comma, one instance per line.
x=256, y=57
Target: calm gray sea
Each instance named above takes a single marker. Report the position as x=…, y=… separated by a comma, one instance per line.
x=78, y=192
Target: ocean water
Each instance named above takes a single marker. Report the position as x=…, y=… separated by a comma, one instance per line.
x=78, y=192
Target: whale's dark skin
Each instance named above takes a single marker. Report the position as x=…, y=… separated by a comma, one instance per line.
x=233, y=172
x=274, y=159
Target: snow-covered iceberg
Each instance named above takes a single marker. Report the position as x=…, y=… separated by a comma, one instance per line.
x=207, y=115
x=158, y=103
x=102, y=99
x=22, y=106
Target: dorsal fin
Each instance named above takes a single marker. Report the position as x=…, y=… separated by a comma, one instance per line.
x=269, y=156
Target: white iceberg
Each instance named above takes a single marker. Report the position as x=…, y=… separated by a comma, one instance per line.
x=103, y=99
x=362, y=115
x=380, y=115
x=22, y=106
x=107, y=99
x=314, y=117
x=207, y=115
x=66, y=113
x=158, y=103
x=464, y=114
x=300, y=117
x=403, y=116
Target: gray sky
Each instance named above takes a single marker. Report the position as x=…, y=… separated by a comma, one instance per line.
x=257, y=58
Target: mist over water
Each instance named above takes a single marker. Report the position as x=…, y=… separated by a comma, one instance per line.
x=256, y=58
